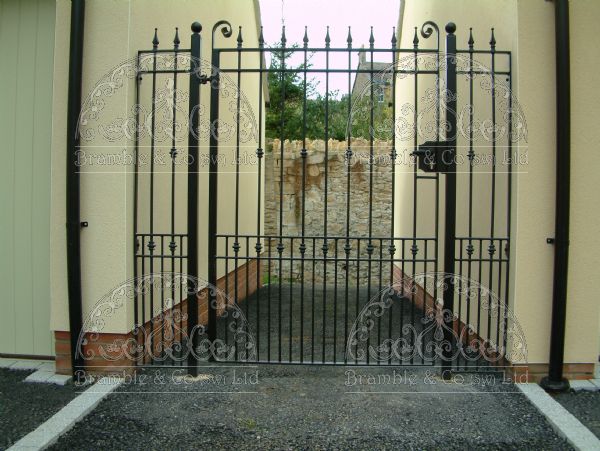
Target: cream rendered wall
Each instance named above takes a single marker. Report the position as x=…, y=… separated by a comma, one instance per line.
x=114, y=32
x=26, y=52
x=527, y=28
x=584, y=258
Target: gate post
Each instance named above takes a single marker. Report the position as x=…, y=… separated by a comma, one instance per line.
x=192, y=219
x=450, y=207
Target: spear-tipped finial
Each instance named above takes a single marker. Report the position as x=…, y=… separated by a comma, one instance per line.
x=261, y=38
x=155, y=40
x=493, y=40
x=239, y=37
x=327, y=38
x=371, y=38
x=394, y=39
x=176, y=40
x=349, y=38
x=283, y=38
x=416, y=39
x=305, y=38
x=471, y=40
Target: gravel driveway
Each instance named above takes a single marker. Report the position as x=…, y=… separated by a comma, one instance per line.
x=299, y=407
x=585, y=406
x=24, y=406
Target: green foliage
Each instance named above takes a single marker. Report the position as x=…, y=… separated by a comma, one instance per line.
x=284, y=116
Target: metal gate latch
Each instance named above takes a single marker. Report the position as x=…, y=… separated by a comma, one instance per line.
x=436, y=156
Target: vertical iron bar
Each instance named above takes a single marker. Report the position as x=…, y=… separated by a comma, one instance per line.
x=303, y=154
x=161, y=316
x=450, y=208
x=280, y=246
x=471, y=156
x=357, y=300
x=325, y=246
x=151, y=243
x=335, y=294
x=291, y=335
x=492, y=247
x=136, y=242
x=259, y=154
x=181, y=294
x=347, y=247
x=142, y=244
x=269, y=283
x=414, y=248
x=172, y=244
x=393, y=156
x=314, y=258
x=228, y=318
x=213, y=179
x=192, y=219
x=370, y=247
x=236, y=243
x=509, y=199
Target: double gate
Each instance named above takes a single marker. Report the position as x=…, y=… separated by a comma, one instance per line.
x=223, y=275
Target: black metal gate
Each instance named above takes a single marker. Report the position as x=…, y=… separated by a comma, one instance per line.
x=435, y=294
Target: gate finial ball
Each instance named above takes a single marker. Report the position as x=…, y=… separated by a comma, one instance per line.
x=450, y=27
x=196, y=27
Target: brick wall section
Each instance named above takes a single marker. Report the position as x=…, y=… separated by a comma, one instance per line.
x=106, y=341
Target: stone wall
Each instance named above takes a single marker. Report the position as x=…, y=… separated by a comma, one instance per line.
x=313, y=198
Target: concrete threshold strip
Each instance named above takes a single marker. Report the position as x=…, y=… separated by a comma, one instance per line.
x=563, y=422
x=49, y=432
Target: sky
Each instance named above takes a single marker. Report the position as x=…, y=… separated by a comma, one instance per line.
x=338, y=15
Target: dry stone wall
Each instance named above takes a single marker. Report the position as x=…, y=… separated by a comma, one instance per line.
x=285, y=198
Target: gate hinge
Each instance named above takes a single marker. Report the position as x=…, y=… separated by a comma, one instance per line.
x=436, y=156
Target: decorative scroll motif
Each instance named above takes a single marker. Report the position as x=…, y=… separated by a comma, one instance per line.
x=140, y=116
x=428, y=341
x=164, y=339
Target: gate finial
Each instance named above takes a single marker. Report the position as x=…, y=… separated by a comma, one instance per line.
x=471, y=40
x=239, y=37
x=261, y=38
x=493, y=41
x=176, y=40
x=305, y=39
x=155, y=40
x=196, y=27
x=450, y=27
x=371, y=38
x=327, y=38
x=349, y=38
x=394, y=39
x=416, y=39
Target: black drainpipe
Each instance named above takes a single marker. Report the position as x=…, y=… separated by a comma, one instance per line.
x=73, y=210
x=555, y=381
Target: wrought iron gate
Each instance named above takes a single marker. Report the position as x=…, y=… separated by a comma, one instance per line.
x=435, y=294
